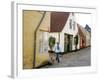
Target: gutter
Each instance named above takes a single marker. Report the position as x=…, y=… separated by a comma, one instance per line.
x=35, y=33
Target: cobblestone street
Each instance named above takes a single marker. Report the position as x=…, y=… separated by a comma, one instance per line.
x=73, y=59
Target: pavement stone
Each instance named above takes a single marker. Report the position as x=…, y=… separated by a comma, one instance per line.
x=73, y=59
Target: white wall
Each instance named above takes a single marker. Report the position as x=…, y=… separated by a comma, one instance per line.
x=67, y=27
x=62, y=41
x=69, y=31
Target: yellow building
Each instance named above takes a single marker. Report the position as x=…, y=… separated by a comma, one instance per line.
x=35, y=53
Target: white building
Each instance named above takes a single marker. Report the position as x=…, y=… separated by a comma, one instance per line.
x=64, y=29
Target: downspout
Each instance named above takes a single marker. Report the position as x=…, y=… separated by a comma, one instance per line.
x=59, y=37
x=35, y=33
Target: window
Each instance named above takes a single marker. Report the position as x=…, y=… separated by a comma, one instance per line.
x=72, y=14
x=73, y=25
x=43, y=42
x=70, y=23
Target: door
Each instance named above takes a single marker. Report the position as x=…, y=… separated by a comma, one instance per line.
x=67, y=42
x=70, y=42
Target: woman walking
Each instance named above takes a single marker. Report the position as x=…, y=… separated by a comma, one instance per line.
x=57, y=51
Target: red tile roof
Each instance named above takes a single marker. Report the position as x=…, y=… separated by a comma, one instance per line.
x=58, y=21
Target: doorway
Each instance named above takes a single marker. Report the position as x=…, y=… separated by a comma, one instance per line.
x=68, y=42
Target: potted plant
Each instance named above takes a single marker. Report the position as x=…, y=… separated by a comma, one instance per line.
x=76, y=41
x=52, y=41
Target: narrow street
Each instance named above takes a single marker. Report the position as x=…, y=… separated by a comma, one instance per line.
x=74, y=59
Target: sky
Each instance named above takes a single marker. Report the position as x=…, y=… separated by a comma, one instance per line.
x=83, y=19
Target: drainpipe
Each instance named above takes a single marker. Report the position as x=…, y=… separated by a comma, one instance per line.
x=59, y=37
x=35, y=33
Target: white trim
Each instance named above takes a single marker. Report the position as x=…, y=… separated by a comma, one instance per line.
x=17, y=70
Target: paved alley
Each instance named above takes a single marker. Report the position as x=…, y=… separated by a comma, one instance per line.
x=74, y=59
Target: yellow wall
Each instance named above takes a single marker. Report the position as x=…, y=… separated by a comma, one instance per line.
x=30, y=22
x=42, y=57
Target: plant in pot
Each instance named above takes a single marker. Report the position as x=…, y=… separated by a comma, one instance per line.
x=76, y=41
x=52, y=41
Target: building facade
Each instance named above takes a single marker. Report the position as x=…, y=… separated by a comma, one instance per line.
x=64, y=30
x=85, y=36
x=35, y=38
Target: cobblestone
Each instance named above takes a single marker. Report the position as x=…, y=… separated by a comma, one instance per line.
x=73, y=59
